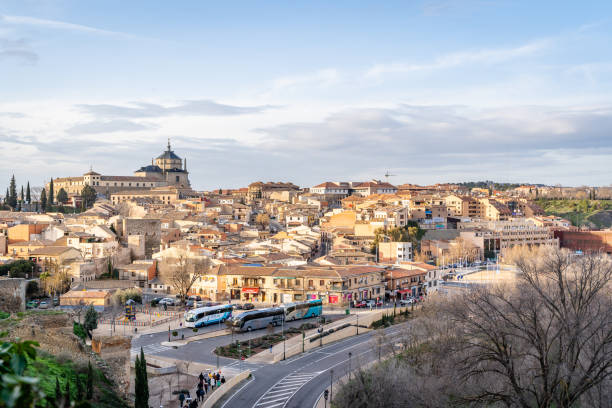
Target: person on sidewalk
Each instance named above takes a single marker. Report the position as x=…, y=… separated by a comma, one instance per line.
x=201, y=377
x=222, y=379
x=181, y=399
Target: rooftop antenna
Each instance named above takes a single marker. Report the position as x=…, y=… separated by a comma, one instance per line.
x=387, y=175
x=168, y=144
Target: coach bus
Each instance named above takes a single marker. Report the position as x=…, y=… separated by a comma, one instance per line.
x=258, y=319
x=303, y=310
x=203, y=316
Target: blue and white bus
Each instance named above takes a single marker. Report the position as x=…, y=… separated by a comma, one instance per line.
x=258, y=319
x=303, y=310
x=204, y=316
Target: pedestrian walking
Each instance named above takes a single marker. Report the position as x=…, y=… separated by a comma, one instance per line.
x=181, y=399
x=206, y=387
x=201, y=377
x=222, y=379
x=218, y=382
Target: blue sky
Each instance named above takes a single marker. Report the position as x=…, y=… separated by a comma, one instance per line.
x=433, y=90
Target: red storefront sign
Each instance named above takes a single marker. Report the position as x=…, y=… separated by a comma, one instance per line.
x=254, y=291
x=333, y=299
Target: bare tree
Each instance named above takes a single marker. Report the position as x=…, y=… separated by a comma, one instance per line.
x=182, y=272
x=10, y=301
x=55, y=279
x=545, y=342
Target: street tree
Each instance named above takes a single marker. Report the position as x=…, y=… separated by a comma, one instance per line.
x=28, y=196
x=183, y=271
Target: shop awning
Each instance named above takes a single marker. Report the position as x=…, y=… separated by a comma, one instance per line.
x=404, y=291
x=250, y=290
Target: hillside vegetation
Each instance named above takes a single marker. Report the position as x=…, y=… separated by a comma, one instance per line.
x=590, y=213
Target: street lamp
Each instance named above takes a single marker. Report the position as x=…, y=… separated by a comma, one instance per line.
x=284, y=342
x=349, y=361
x=331, y=384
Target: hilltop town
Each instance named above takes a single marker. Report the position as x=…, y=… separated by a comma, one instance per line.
x=96, y=241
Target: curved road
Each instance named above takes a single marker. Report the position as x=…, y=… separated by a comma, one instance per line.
x=299, y=381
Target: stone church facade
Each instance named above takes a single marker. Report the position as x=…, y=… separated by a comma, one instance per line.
x=166, y=170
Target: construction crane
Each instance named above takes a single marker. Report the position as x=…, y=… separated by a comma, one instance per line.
x=387, y=175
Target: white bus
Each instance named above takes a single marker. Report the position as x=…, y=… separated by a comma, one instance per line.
x=204, y=316
x=303, y=310
x=258, y=319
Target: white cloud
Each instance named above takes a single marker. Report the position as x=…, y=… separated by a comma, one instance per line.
x=58, y=25
x=455, y=59
x=323, y=77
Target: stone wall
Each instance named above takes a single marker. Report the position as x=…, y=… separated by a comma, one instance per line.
x=149, y=228
x=13, y=294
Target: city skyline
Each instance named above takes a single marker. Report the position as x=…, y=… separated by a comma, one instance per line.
x=435, y=91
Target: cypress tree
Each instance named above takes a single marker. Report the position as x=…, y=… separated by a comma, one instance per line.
x=89, y=387
x=141, y=384
x=28, y=196
x=67, y=394
x=79, y=387
x=51, y=196
x=6, y=197
x=22, y=196
x=13, y=193
x=43, y=200
x=58, y=391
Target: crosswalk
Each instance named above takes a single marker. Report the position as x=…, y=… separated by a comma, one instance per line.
x=282, y=391
x=149, y=349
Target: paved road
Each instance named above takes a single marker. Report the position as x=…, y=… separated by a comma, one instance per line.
x=299, y=381
x=201, y=351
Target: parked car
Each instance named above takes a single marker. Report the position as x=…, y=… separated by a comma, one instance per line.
x=237, y=306
x=199, y=304
x=32, y=304
x=373, y=303
x=167, y=302
x=43, y=305
x=56, y=301
x=195, y=298
x=248, y=306
x=155, y=301
x=406, y=302
x=360, y=303
x=190, y=303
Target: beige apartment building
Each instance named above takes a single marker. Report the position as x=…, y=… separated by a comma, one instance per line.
x=497, y=237
x=362, y=282
x=275, y=285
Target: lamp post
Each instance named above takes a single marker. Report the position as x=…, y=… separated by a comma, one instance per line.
x=284, y=342
x=349, y=361
x=331, y=384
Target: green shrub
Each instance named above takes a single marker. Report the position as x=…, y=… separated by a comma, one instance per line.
x=175, y=333
x=79, y=330
x=4, y=315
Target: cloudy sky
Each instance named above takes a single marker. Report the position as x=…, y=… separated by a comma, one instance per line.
x=431, y=90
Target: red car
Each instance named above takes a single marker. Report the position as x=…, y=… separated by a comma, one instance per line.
x=361, y=303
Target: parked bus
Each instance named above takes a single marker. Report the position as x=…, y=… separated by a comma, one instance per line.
x=303, y=310
x=204, y=316
x=258, y=319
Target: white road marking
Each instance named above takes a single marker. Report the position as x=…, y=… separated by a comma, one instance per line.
x=284, y=389
x=149, y=349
